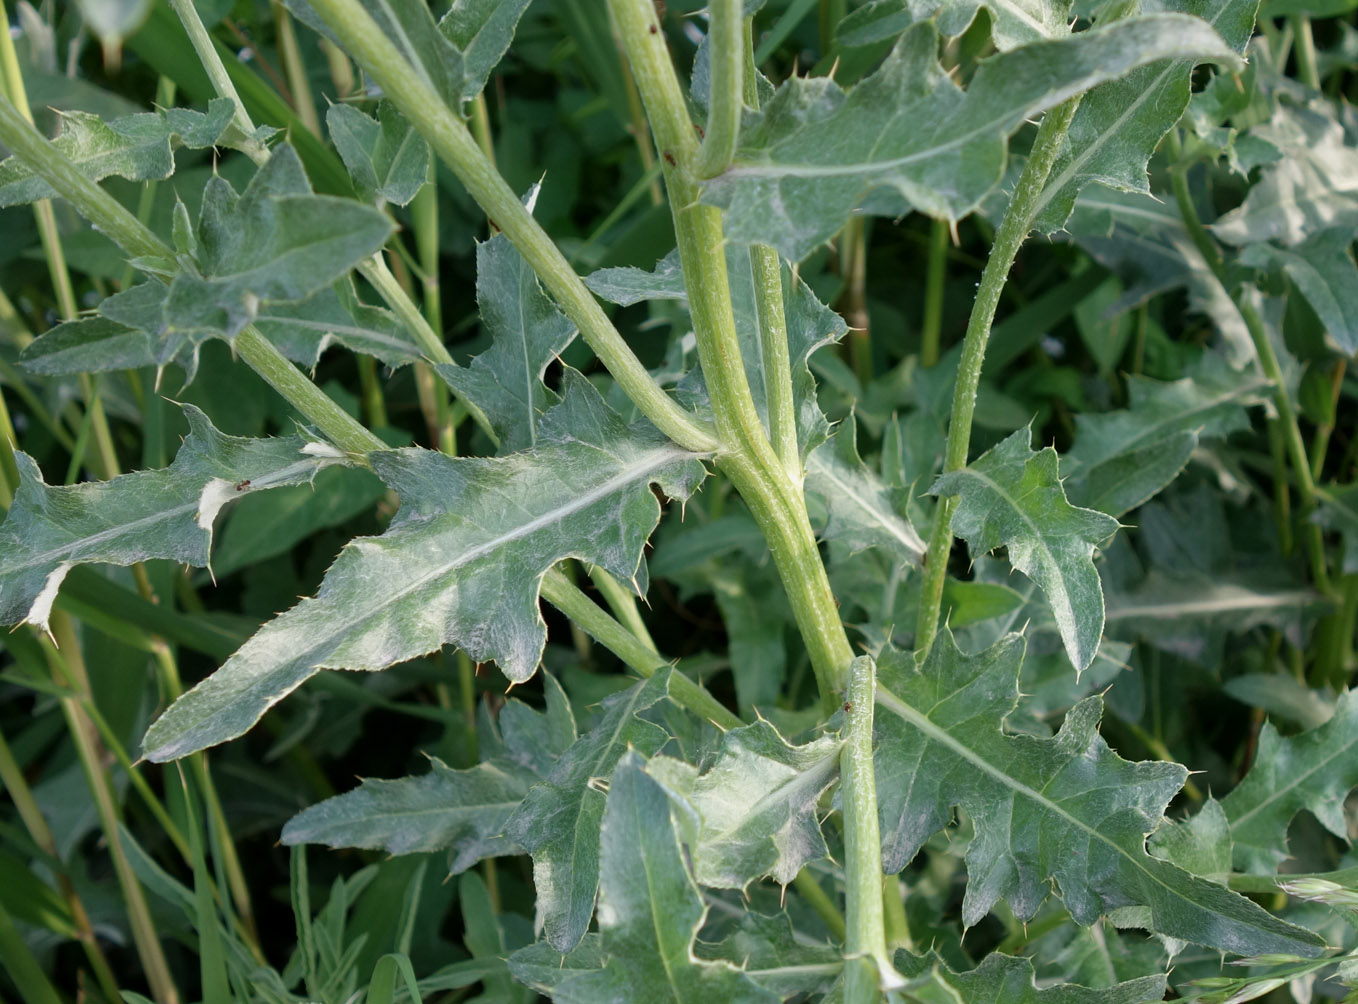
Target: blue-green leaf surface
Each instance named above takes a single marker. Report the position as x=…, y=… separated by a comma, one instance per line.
x=460, y=565
x=386, y=157
x=1066, y=810
x=135, y=517
x=908, y=138
x=1012, y=497
x=650, y=910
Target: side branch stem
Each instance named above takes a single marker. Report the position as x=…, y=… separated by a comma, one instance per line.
x=1013, y=230
x=726, y=55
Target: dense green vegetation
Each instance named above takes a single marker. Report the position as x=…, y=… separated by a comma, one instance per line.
x=796, y=500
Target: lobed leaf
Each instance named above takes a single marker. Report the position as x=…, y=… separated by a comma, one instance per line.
x=168, y=513
x=908, y=138
x=527, y=332
x=1012, y=22
x=862, y=512
x=461, y=564
x=276, y=242
x=650, y=909
x=752, y=813
x=1013, y=981
x=1322, y=271
x=1314, y=770
x=464, y=810
x=1120, y=123
x=1067, y=809
x=558, y=822
x=1012, y=497
x=1122, y=458
x=386, y=157
x=136, y=147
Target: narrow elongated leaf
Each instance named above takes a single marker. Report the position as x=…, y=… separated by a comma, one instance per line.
x=1122, y=458
x=1120, y=123
x=1012, y=497
x=463, y=810
x=908, y=138
x=148, y=514
x=1324, y=274
x=558, y=822
x=460, y=565
x=276, y=242
x=861, y=511
x=1314, y=771
x=650, y=909
x=136, y=147
x=1012, y=22
x=386, y=157
x=753, y=812
x=1013, y=980
x=527, y=332
x=1065, y=809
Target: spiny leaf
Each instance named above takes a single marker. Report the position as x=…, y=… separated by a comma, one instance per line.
x=908, y=138
x=481, y=30
x=386, y=157
x=336, y=315
x=772, y=954
x=527, y=332
x=1323, y=272
x=461, y=564
x=148, y=514
x=464, y=810
x=137, y=147
x=276, y=242
x=650, y=909
x=753, y=812
x=1314, y=770
x=1012, y=22
x=1122, y=458
x=558, y=822
x=1013, y=981
x=1012, y=497
x=1065, y=809
x=861, y=512
x=1120, y=123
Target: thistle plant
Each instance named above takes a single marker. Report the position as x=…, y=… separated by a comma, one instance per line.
x=940, y=650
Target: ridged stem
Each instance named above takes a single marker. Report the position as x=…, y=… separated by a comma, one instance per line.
x=1012, y=232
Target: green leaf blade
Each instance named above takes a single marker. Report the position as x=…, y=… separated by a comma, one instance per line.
x=1013, y=497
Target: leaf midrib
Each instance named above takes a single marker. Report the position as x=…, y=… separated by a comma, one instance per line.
x=827, y=471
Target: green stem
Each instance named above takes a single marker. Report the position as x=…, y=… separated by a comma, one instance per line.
x=562, y=594
x=1268, y=362
x=450, y=138
x=68, y=669
x=769, y=308
x=216, y=72
x=726, y=52
x=290, y=54
x=931, y=330
x=805, y=883
x=747, y=457
x=866, y=925
x=1305, y=51
x=20, y=965
x=622, y=603
x=1013, y=230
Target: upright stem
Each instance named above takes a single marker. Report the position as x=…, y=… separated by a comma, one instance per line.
x=451, y=140
x=747, y=457
x=294, y=66
x=1013, y=230
x=216, y=72
x=1305, y=51
x=725, y=52
x=865, y=938
x=931, y=329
